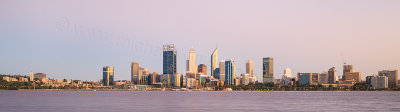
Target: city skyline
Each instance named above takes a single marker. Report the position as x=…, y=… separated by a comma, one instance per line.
x=347, y=68
x=57, y=42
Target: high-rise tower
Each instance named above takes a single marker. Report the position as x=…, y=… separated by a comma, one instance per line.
x=191, y=64
x=222, y=70
x=135, y=67
x=108, y=76
x=214, y=59
x=250, y=67
x=230, y=72
x=332, y=75
x=268, y=70
x=169, y=59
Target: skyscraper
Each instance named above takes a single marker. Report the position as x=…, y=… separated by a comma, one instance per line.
x=249, y=68
x=268, y=70
x=222, y=70
x=332, y=75
x=135, y=66
x=214, y=59
x=230, y=72
x=169, y=59
x=347, y=68
x=191, y=63
x=108, y=76
x=392, y=75
x=202, y=69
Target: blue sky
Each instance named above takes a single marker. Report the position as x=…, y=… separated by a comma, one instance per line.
x=74, y=39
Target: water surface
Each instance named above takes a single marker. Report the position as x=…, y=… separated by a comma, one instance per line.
x=204, y=101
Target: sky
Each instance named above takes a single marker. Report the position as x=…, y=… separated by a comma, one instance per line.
x=74, y=39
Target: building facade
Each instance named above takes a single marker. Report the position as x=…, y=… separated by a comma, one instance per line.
x=356, y=76
x=379, y=82
x=214, y=62
x=287, y=72
x=245, y=79
x=305, y=78
x=268, y=70
x=392, y=75
x=347, y=68
x=169, y=59
x=323, y=78
x=202, y=68
x=38, y=76
x=191, y=63
x=230, y=72
x=135, y=68
x=108, y=75
x=332, y=75
x=166, y=80
x=315, y=78
x=177, y=80
x=250, y=67
x=221, y=76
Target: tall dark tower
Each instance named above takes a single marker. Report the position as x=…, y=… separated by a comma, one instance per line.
x=169, y=59
x=268, y=70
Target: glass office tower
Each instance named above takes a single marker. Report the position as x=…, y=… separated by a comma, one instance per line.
x=268, y=70
x=169, y=59
x=108, y=76
x=230, y=72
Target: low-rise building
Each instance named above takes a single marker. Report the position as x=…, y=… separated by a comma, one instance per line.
x=347, y=83
x=305, y=78
x=245, y=79
x=353, y=76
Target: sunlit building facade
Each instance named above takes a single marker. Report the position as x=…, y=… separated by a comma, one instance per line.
x=191, y=63
x=214, y=62
x=108, y=75
x=250, y=68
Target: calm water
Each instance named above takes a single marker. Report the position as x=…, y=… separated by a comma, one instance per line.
x=156, y=101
